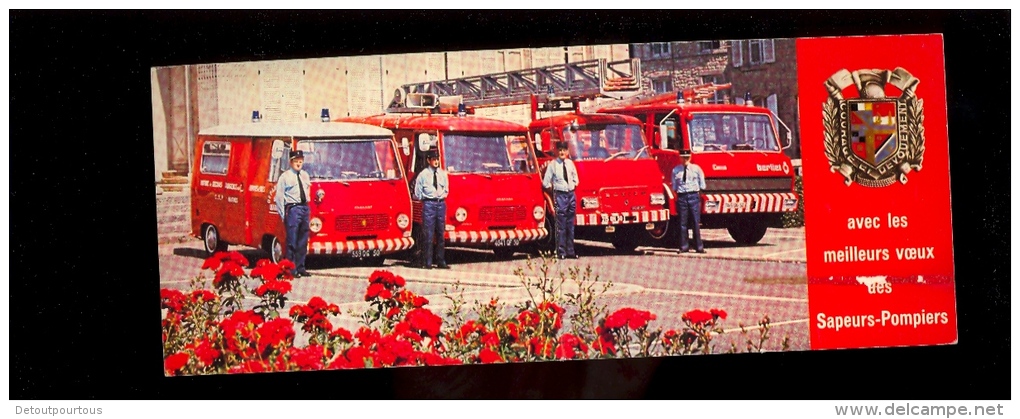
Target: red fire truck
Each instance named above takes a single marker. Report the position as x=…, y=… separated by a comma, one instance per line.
x=495, y=198
x=749, y=181
x=360, y=206
x=620, y=193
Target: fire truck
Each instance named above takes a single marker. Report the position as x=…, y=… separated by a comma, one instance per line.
x=360, y=206
x=749, y=181
x=495, y=199
x=621, y=197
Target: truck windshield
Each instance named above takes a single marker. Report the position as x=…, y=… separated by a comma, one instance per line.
x=358, y=159
x=732, y=131
x=599, y=142
x=488, y=153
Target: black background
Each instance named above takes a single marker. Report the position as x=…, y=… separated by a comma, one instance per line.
x=83, y=266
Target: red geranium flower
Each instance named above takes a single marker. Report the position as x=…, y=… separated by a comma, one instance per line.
x=275, y=333
x=424, y=322
x=488, y=356
x=513, y=330
x=374, y=290
x=249, y=366
x=606, y=341
x=528, y=318
x=385, y=294
x=343, y=334
x=541, y=346
x=490, y=339
x=317, y=303
x=698, y=316
x=173, y=300
x=237, y=258
x=175, y=362
x=419, y=302
x=308, y=359
x=392, y=312
x=718, y=313
x=279, y=287
x=367, y=336
x=361, y=357
x=205, y=352
x=201, y=296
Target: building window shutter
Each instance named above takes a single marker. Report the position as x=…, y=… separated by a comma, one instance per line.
x=737, y=52
x=769, y=50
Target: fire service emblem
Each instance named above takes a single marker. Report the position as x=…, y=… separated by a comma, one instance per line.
x=874, y=139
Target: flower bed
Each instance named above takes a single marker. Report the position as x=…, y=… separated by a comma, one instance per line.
x=210, y=331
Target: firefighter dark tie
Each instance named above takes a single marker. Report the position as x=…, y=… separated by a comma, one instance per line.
x=301, y=189
x=565, y=174
x=685, y=176
x=435, y=181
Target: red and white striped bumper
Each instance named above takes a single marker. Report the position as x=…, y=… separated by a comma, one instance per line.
x=494, y=236
x=360, y=246
x=631, y=217
x=750, y=203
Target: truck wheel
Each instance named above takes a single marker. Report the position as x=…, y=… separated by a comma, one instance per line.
x=504, y=253
x=548, y=243
x=211, y=240
x=272, y=246
x=747, y=231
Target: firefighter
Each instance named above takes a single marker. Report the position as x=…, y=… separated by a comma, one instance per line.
x=688, y=182
x=431, y=187
x=292, y=192
x=561, y=177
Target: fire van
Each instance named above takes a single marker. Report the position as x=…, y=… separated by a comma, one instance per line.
x=495, y=199
x=621, y=197
x=360, y=206
x=749, y=180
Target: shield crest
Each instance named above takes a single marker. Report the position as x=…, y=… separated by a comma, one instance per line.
x=873, y=127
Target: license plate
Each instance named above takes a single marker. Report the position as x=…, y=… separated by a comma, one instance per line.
x=506, y=242
x=366, y=253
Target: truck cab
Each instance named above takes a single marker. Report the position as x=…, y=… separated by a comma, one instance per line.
x=749, y=181
x=621, y=196
x=495, y=199
x=359, y=203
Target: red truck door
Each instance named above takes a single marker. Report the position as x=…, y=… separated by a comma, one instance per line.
x=235, y=204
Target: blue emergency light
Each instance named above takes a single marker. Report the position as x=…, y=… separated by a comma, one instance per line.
x=680, y=97
x=461, y=109
x=255, y=116
x=325, y=115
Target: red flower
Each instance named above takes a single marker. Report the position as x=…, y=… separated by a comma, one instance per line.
x=393, y=351
x=172, y=300
x=333, y=309
x=528, y=318
x=286, y=264
x=568, y=343
x=343, y=334
x=275, y=333
x=419, y=302
x=237, y=258
x=279, y=287
x=201, y=296
x=606, y=341
x=540, y=346
x=634, y=319
x=374, y=290
x=490, y=339
x=317, y=322
x=385, y=294
x=424, y=322
x=367, y=336
x=308, y=359
x=513, y=330
x=718, y=313
x=205, y=352
x=175, y=362
x=229, y=270
x=238, y=330
x=553, y=311
x=267, y=271
x=698, y=316
x=317, y=303
x=392, y=312
x=488, y=356
x=361, y=357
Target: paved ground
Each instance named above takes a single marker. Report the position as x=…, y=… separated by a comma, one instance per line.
x=749, y=282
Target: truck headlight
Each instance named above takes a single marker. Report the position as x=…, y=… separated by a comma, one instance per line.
x=590, y=202
x=315, y=225
x=460, y=215
x=402, y=221
x=658, y=198
x=538, y=213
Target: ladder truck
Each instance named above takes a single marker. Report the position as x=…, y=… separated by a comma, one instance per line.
x=622, y=197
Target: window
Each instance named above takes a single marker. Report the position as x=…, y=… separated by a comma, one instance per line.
x=761, y=51
x=660, y=49
x=215, y=157
x=351, y=159
x=737, y=53
x=708, y=46
x=717, y=96
x=732, y=131
x=488, y=153
x=599, y=142
x=662, y=85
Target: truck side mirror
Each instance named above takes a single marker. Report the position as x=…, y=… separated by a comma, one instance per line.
x=663, y=136
x=789, y=140
x=424, y=142
x=405, y=146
